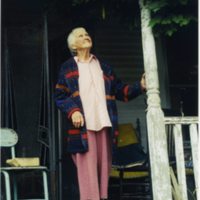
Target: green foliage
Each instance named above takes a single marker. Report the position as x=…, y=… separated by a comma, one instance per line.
x=155, y=6
x=168, y=16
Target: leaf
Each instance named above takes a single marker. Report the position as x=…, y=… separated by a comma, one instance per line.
x=155, y=6
x=166, y=21
x=177, y=19
x=184, y=22
x=154, y=21
x=171, y=31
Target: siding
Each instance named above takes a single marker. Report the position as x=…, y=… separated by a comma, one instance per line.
x=122, y=49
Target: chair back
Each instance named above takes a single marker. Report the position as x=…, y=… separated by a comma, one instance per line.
x=129, y=151
x=8, y=138
x=127, y=135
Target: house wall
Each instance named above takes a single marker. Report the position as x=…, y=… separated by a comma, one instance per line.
x=25, y=61
x=122, y=49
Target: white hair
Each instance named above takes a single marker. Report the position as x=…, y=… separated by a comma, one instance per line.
x=71, y=39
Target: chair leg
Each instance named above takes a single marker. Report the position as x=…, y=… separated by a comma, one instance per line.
x=7, y=185
x=121, y=176
x=15, y=188
x=45, y=184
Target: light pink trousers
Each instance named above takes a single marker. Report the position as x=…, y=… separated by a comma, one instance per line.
x=93, y=167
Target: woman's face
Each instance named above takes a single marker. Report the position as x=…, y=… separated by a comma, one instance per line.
x=83, y=40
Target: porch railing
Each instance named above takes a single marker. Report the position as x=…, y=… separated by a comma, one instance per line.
x=183, y=138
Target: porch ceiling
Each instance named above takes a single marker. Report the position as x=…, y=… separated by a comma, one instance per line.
x=21, y=12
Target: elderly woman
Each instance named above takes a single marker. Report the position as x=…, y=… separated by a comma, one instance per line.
x=86, y=92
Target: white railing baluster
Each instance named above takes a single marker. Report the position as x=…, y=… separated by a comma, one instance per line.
x=180, y=162
x=177, y=123
x=194, y=137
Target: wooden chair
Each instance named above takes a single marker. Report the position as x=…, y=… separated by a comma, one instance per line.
x=130, y=170
x=9, y=139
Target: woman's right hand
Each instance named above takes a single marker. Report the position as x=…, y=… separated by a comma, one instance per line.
x=77, y=119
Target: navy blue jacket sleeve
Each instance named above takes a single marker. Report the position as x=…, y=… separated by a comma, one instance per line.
x=63, y=97
x=125, y=92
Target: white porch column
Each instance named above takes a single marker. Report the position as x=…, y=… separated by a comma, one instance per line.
x=160, y=173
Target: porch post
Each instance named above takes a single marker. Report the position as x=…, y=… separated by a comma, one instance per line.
x=160, y=174
x=49, y=114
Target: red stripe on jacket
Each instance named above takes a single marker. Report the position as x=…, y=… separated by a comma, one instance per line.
x=108, y=77
x=74, y=131
x=126, y=93
x=71, y=74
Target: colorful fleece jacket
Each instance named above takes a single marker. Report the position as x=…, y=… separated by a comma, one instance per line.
x=68, y=100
